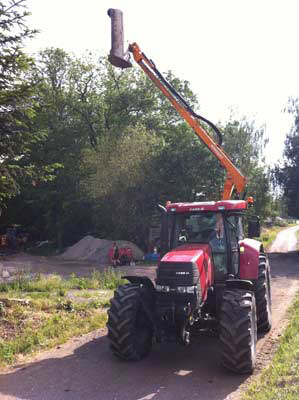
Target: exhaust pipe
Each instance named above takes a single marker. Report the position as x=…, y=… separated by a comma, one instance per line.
x=117, y=57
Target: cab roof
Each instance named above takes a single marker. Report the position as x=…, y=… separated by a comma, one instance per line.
x=222, y=205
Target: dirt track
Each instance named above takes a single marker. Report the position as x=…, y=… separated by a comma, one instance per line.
x=83, y=368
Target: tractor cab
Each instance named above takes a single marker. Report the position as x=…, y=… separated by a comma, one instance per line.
x=213, y=225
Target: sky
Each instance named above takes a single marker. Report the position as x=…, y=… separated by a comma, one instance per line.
x=237, y=55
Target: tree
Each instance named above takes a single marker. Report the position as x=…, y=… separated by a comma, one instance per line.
x=138, y=166
x=65, y=113
x=130, y=98
x=88, y=114
x=245, y=145
x=286, y=175
x=15, y=96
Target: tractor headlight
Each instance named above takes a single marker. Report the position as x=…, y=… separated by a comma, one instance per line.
x=163, y=288
x=185, y=289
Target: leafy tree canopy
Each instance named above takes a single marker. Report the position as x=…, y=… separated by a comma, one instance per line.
x=16, y=102
x=286, y=175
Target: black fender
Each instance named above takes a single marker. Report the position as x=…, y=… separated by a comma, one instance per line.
x=239, y=284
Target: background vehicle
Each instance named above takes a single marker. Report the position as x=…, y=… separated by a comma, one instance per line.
x=209, y=277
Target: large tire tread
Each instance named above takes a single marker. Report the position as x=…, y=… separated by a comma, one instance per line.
x=238, y=331
x=129, y=330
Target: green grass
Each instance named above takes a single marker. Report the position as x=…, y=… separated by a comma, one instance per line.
x=56, y=310
x=43, y=332
x=281, y=379
x=108, y=279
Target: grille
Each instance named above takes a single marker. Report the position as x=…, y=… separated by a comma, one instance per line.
x=177, y=274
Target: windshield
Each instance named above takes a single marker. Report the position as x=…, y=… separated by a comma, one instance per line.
x=201, y=227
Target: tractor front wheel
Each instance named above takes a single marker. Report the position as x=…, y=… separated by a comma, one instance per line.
x=130, y=331
x=238, y=331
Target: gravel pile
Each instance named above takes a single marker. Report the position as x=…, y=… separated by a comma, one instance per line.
x=96, y=250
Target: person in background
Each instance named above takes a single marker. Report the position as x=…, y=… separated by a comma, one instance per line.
x=115, y=255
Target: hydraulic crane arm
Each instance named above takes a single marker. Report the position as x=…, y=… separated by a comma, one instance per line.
x=234, y=178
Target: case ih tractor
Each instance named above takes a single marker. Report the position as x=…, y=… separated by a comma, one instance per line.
x=210, y=277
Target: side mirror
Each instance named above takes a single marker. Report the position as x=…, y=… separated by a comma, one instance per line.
x=254, y=227
x=117, y=57
x=164, y=230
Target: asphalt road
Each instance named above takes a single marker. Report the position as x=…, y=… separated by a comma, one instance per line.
x=84, y=368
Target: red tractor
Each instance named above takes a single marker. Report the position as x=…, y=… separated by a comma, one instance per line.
x=210, y=277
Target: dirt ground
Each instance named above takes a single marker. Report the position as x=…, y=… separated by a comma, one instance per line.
x=64, y=268
x=84, y=368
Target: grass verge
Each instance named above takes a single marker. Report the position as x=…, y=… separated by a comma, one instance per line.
x=281, y=379
x=42, y=312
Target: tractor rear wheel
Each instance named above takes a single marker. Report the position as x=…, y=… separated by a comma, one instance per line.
x=130, y=331
x=238, y=331
x=263, y=296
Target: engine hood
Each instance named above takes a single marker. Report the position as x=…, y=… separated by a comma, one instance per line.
x=187, y=253
x=196, y=257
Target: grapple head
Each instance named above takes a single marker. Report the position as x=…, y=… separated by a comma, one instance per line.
x=117, y=56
